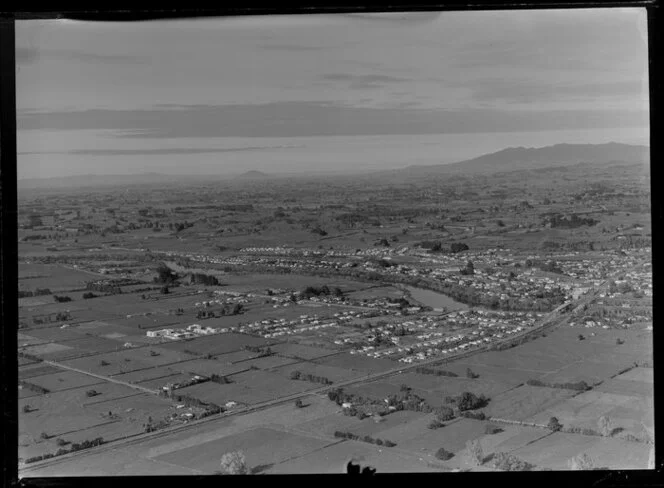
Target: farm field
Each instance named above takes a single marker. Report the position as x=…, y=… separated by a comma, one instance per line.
x=261, y=446
x=525, y=401
x=333, y=460
x=452, y=437
x=216, y=344
x=631, y=413
x=555, y=450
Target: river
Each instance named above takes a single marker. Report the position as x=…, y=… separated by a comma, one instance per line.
x=434, y=299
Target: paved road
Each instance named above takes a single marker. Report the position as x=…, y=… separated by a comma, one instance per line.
x=548, y=321
x=102, y=377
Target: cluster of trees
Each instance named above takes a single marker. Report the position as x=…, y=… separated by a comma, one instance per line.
x=469, y=269
x=444, y=455
x=203, y=279
x=473, y=415
x=299, y=375
x=165, y=275
x=88, y=295
x=222, y=380
x=37, y=293
x=492, y=429
x=509, y=462
x=234, y=463
x=261, y=351
x=104, y=287
x=315, y=291
x=570, y=222
x=366, y=438
x=31, y=357
x=437, y=247
x=578, y=386
x=443, y=414
x=435, y=372
x=86, y=444
x=32, y=387
x=61, y=299
x=468, y=401
x=550, y=266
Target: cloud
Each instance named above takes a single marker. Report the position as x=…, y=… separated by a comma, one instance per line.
x=363, y=81
x=520, y=91
x=156, y=152
x=291, y=47
x=317, y=118
x=29, y=55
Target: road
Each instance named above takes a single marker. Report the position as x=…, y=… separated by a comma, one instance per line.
x=548, y=321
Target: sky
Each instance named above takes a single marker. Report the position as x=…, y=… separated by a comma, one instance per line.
x=316, y=93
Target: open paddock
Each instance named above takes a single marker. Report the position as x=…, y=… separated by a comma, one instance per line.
x=261, y=446
x=333, y=460
x=158, y=383
x=629, y=412
x=236, y=356
x=109, y=364
x=358, y=363
x=556, y=450
x=330, y=372
x=627, y=387
x=56, y=414
x=206, y=367
x=55, y=333
x=512, y=437
x=445, y=385
x=452, y=437
x=147, y=322
x=402, y=428
x=372, y=293
x=590, y=371
x=35, y=301
x=216, y=344
x=137, y=407
x=392, y=422
x=55, y=277
x=496, y=373
x=147, y=374
x=265, y=385
x=27, y=340
x=92, y=345
x=109, y=431
x=268, y=362
x=36, y=369
x=64, y=380
x=299, y=351
x=377, y=390
x=525, y=401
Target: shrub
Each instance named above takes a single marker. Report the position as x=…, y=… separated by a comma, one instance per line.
x=91, y=393
x=443, y=454
x=444, y=413
x=234, y=463
x=492, y=429
x=554, y=424
x=581, y=462
x=509, y=462
x=475, y=452
x=61, y=442
x=473, y=415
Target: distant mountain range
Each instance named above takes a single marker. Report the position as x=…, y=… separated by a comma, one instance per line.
x=517, y=158
x=510, y=159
